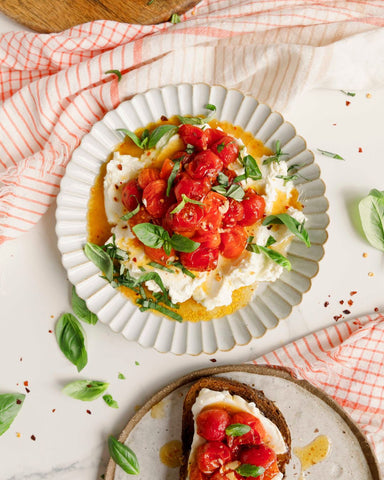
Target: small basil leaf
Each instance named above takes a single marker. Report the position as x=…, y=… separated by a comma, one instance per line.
x=251, y=169
x=10, y=404
x=248, y=470
x=123, y=456
x=115, y=72
x=81, y=310
x=350, y=94
x=330, y=154
x=276, y=257
x=121, y=376
x=222, y=179
x=161, y=267
x=110, y=401
x=183, y=244
x=130, y=214
x=236, y=192
x=172, y=176
x=237, y=429
x=211, y=115
x=277, y=156
x=371, y=209
x=100, y=258
x=149, y=304
x=175, y=18
x=85, y=390
x=159, y=132
x=183, y=202
x=270, y=241
x=191, y=120
x=71, y=339
x=151, y=276
x=135, y=139
x=184, y=270
x=292, y=224
x=151, y=235
x=220, y=189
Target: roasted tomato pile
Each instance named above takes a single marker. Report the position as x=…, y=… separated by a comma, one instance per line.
x=216, y=222
x=222, y=454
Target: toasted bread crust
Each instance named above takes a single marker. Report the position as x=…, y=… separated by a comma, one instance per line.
x=266, y=406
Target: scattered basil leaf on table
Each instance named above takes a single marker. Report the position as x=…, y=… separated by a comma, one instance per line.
x=330, y=154
x=248, y=470
x=115, y=72
x=123, y=456
x=85, y=390
x=100, y=258
x=81, y=310
x=108, y=399
x=350, y=94
x=121, y=376
x=71, y=339
x=237, y=429
x=277, y=156
x=371, y=209
x=10, y=405
x=292, y=224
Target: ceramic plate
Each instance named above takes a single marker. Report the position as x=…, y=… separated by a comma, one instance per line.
x=271, y=303
x=308, y=411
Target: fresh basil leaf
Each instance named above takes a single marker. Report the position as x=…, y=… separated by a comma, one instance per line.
x=149, y=304
x=130, y=214
x=159, y=133
x=172, y=176
x=110, y=401
x=189, y=148
x=184, y=270
x=81, y=310
x=292, y=224
x=237, y=429
x=371, y=209
x=71, y=339
x=222, y=179
x=330, y=154
x=115, y=252
x=183, y=202
x=85, y=390
x=220, y=147
x=135, y=139
x=10, y=404
x=222, y=189
x=175, y=18
x=183, y=244
x=248, y=470
x=151, y=235
x=123, y=456
x=277, y=156
x=211, y=115
x=236, y=192
x=199, y=120
x=101, y=259
x=121, y=376
x=160, y=297
x=271, y=254
x=251, y=169
x=350, y=94
x=288, y=178
x=293, y=167
x=161, y=267
x=270, y=241
x=115, y=72
x=151, y=276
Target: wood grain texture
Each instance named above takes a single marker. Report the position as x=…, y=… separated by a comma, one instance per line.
x=47, y=16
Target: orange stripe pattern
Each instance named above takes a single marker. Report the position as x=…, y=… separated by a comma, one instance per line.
x=53, y=87
x=347, y=362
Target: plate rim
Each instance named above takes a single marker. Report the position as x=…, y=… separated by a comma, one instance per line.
x=324, y=229
x=267, y=370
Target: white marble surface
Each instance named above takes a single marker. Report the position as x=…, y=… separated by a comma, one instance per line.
x=71, y=444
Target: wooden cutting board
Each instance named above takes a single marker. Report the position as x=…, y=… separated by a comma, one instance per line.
x=48, y=16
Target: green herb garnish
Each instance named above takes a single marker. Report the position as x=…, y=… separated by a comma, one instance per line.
x=371, y=209
x=184, y=270
x=277, y=156
x=251, y=169
x=161, y=267
x=237, y=429
x=234, y=191
x=85, y=390
x=199, y=120
x=121, y=376
x=81, y=310
x=292, y=224
x=108, y=399
x=114, y=72
x=149, y=140
x=10, y=405
x=71, y=340
x=175, y=18
x=130, y=214
x=150, y=304
x=350, y=94
x=268, y=252
x=100, y=258
x=123, y=456
x=330, y=154
x=248, y=470
x=183, y=202
x=155, y=236
x=172, y=176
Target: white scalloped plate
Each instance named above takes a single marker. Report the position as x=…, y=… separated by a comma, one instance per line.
x=271, y=303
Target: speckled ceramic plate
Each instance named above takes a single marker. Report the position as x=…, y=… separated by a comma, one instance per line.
x=271, y=303
x=308, y=411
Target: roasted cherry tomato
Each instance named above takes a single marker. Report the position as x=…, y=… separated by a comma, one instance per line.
x=131, y=195
x=212, y=455
x=211, y=424
x=214, y=134
x=234, y=214
x=190, y=134
x=158, y=255
x=270, y=473
x=208, y=239
x=254, y=206
x=147, y=175
x=166, y=169
x=155, y=200
x=202, y=259
x=248, y=419
x=213, y=204
x=223, y=476
x=194, y=189
x=141, y=217
x=233, y=242
x=254, y=437
x=187, y=219
x=204, y=164
x=227, y=149
x=260, y=455
x=196, y=474
x=231, y=174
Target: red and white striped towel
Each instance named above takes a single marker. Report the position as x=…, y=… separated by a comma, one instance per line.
x=345, y=360
x=53, y=87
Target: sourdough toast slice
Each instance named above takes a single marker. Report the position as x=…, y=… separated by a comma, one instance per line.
x=266, y=406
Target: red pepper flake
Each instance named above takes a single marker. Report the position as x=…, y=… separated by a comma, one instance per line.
x=53, y=410
x=119, y=166
x=353, y=293
x=350, y=303
x=18, y=401
x=21, y=359
x=376, y=309
x=360, y=150
x=26, y=383
x=134, y=259
x=50, y=331
x=89, y=412
x=337, y=317
x=115, y=199
x=27, y=390
x=33, y=437
x=347, y=103
x=341, y=302
x=286, y=207
x=213, y=360
x=89, y=386
x=326, y=304
x=163, y=118
x=148, y=153
x=116, y=186
x=346, y=312
x=334, y=124
x=125, y=226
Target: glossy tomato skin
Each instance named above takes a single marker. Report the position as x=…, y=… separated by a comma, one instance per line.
x=214, y=134
x=204, y=165
x=249, y=419
x=148, y=175
x=208, y=239
x=131, y=195
x=196, y=474
x=212, y=212
x=211, y=424
x=222, y=476
x=166, y=169
x=158, y=255
x=233, y=242
x=155, y=200
x=211, y=456
x=194, y=189
x=190, y=134
x=234, y=214
x=259, y=455
x=254, y=207
x=227, y=149
x=270, y=472
x=187, y=219
x=201, y=260
x=141, y=217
